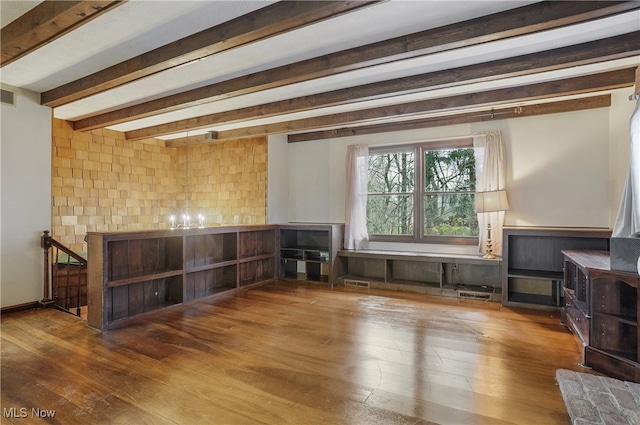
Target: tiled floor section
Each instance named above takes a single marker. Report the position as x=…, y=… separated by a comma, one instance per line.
x=592, y=399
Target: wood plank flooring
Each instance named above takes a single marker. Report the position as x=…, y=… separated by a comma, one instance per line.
x=292, y=353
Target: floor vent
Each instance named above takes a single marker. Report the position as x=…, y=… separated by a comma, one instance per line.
x=473, y=295
x=358, y=283
x=8, y=97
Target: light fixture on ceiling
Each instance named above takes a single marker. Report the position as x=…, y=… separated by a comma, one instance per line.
x=491, y=201
x=186, y=222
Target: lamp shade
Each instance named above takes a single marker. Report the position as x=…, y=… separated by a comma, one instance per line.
x=494, y=200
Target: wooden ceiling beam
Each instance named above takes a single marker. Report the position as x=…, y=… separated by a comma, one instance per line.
x=516, y=22
x=601, y=101
x=572, y=86
x=46, y=22
x=626, y=45
x=267, y=22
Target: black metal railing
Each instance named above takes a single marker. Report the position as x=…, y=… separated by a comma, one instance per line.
x=65, y=276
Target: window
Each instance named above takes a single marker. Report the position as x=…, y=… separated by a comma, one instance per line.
x=391, y=197
x=429, y=200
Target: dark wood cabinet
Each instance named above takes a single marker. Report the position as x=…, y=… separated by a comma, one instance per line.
x=309, y=251
x=533, y=262
x=134, y=273
x=601, y=309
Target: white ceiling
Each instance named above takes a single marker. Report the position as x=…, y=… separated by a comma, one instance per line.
x=140, y=26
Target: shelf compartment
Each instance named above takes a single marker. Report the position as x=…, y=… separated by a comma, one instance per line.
x=316, y=271
x=141, y=297
x=255, y=271
x=414, y=272
x=136, y=257
x=256, y=243
x=544, y=252
x=609, y=333
x=306, y=239
x=210, y=248
x=613, y=297
x=534, y=291
x=366, y=268
x=289, y=269
x=470, y=275
x=209, y=282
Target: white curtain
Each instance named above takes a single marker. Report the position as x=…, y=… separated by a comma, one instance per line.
x=491, y=169
x=356, y=235
x=628, y=221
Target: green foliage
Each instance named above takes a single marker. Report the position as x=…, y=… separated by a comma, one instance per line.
x=391, y=186
x=449, y=183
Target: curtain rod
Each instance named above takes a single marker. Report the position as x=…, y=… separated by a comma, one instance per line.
x=436, y=139
x=441, y=139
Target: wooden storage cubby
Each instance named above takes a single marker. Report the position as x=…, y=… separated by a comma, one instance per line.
x=134, y=273
x=257, y=243
x=129, y=300
x=435, y=274
x=533, y=262
x=257, y=271
x=309, y=251
x=210, y=282
x=134, y=258
x=363, y=268
x=414, y=272
x=210, y=249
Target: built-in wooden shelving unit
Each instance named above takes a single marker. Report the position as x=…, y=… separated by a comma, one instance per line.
x=135, y=273
x=533, y=262
x=452, y=275
x=309, y=251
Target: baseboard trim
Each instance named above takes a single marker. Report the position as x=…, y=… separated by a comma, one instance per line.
x=19, y=307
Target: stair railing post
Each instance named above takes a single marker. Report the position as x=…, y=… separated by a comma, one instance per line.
x=45, y=243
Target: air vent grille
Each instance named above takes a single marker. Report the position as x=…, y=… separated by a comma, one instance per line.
x=357, y=283
x=8, y=97
x=483, y=296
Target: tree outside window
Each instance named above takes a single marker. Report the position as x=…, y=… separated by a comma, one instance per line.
x=442, y=210
x=390, y=204
x=449, y=186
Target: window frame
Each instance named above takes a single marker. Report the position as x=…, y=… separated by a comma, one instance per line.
x=419, y=191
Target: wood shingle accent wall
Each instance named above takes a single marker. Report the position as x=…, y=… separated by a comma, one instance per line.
x=102, y=182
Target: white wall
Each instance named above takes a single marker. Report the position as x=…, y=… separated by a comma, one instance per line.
x=277, y=180
x=563, y=169
x=25, y=197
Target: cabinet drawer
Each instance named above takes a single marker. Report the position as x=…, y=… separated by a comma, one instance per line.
x=577, y=321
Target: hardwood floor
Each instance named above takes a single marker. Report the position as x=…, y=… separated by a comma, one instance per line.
x=292, y=353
